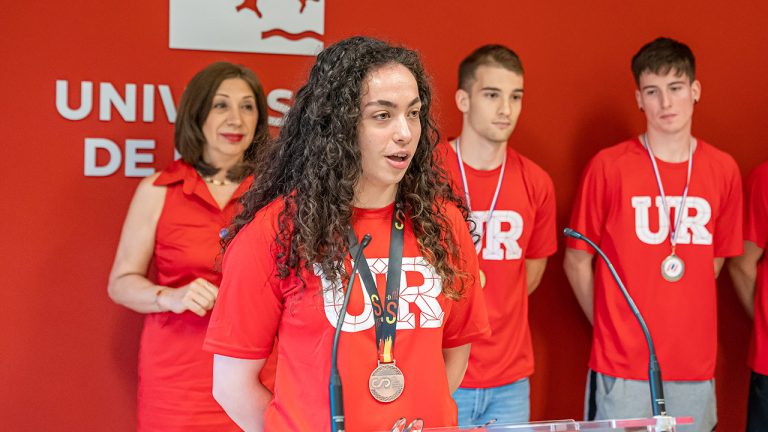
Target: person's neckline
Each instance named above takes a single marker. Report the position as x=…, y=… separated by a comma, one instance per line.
x=365, y=212
x=659, y=154
x=470, y=160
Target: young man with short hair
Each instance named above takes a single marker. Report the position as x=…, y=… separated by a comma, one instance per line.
x=749, y=273
x=512, y=204
x=666, y=209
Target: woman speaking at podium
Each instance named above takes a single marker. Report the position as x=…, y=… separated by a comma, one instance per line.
x=176, y=218
x=354, y=157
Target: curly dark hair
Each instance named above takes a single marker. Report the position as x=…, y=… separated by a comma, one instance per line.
x=315, y=162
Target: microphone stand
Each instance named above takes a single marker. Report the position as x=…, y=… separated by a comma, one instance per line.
x=658, y=405
x=335, y=393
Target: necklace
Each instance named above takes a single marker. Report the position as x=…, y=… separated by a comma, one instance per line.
x=672, y=267
x=213, y=181
x=469, y=202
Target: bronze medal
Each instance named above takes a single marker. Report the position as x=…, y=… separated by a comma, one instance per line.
x=386, y=382
x=672, y=268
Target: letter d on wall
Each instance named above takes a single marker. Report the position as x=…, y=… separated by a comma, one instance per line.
x=92, y=145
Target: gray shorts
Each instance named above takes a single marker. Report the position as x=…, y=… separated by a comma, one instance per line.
x=616, y=398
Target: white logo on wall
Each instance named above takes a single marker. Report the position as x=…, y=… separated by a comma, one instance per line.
x=259, y=26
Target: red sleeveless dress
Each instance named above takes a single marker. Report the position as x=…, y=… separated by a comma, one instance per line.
x=175, y=374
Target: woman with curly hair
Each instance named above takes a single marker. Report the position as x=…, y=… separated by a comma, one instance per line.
x=354, y=157
x=175, y=220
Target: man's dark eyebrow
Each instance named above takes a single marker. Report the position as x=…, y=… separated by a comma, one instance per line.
x=517, y=90
x=388, y=104
x=655, y=86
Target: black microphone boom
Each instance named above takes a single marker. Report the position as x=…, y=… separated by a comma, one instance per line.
x=658, y=405
x=335, y=391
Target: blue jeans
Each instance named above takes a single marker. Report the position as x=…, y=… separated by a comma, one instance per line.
x=507, y=404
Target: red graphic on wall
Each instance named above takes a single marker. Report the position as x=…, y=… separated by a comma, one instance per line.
x=254, y=6
x=278, y=32
x=290, y=36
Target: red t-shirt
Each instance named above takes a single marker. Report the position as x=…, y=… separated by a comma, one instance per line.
x=756, y=231
x=521, y=227
x=618, y=206
x=174, y=372
x=254, y=306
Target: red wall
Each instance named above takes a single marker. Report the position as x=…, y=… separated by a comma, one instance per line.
x=68, y=355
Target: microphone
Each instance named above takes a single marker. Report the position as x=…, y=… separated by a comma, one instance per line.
x=658, y=405
x=336, y=396
x=574, y=234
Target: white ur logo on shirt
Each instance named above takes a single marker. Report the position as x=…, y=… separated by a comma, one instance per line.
x=498, y=243
x=424, y=296
x=693, y=230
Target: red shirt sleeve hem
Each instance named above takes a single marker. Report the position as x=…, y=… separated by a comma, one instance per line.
x=579, y=245
x=229, y=351
x=544, y=254
x=465, y=339
x=729, y=252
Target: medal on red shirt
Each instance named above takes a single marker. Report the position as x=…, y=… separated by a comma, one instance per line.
x=469, y=202
x=387, y=381
x=672, y=267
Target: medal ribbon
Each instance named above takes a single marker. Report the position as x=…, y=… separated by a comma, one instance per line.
x=466, y=185
x=681, y=210
x=385, y=313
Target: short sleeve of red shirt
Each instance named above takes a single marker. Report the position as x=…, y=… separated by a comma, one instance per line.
x=468, y=319
x=588, y=209
x=249, y=305
x=543, y=241
x=728, y=229
x=756, y=226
